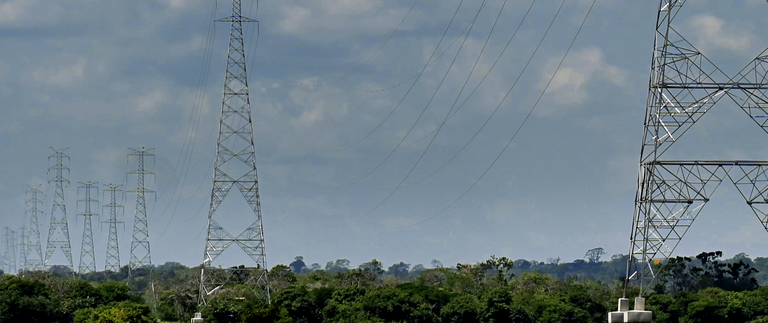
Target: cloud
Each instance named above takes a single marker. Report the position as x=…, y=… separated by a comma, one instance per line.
x=64, y=76
x=25, y=13
x=107, y=163
x=330, y=20
x=712, y=33
x=570, y=85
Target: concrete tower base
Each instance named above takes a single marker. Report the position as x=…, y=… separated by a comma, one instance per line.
x=624, y=315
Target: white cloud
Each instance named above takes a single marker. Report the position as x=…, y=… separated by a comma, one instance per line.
x=330, y=20
x=64, y=76
x=711, y=33
x=24, y=13
x=107, y=164
x=9, y=126
x=570, y=85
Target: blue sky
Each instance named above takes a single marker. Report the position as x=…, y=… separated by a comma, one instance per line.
x=101, y=76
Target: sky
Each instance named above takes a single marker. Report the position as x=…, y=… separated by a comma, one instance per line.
x=347, y=96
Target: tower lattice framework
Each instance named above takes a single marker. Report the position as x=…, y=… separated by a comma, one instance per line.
x=8, y=259
x=141, y=257
x=87, y=252
x=22, y=249
x=112, y=262
x=33, y=252
x=58, y=231
x=683, y=86
x=235, y=167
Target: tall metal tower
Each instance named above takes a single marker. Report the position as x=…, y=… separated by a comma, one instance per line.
x=140, y=254
x=87, y=252
x=22, y=249
x=7, y=261
x=683, y=86
x=33, y=252
x=235, y=166
x=9, y=255
x=11, y=248
x=112, y=262
x=60, y=225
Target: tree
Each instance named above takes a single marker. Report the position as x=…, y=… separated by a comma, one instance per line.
x=436, y=263
x=399, y=270
x=373, y=267
x=297, y=265
x=124, y=312
x=23, y=300
x=501, y=266
x=339, y=266
x=553, y=261
x=593, y=255
x=280, y=277
x=461, y=309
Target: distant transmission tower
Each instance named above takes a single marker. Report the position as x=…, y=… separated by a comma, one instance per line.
x=13, y=246
x=683, y=86
x=140, y=254
x=235, y=167
x=22, y=249
x=5, y=257
x=87, y=252
x=9, y=255
x=112, y=263
x=34, y=251
x=60, y=226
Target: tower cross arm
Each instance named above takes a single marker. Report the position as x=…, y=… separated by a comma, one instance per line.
x=714, y=86
x=236, y=19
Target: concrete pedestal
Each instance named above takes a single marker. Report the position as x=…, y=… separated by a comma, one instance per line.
x=624, y=315
x=198, y=318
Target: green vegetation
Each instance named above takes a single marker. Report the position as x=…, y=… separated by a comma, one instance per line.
x=705, y=288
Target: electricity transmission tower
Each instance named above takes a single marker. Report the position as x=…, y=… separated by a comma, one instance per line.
x=112, y=263
x=33, y=253
x=140, y=254
x=22, y=249
x=60, y=226
x=11, y=248
x=8, y=259
x=235, y=167
x=5, y=260
x=683, y=86
x=87, y=253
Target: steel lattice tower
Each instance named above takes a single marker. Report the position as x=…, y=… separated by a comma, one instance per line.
x=235, y=166
x=59, y=225
x=33, y=253
x=140, y=253
x=12, y=247
x=9, y=255
x=5, y=260
x=87, y=252
x=683, y=86
x=112, y=262
x=22, y=249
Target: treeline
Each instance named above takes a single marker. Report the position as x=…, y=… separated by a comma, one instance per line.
x=704, y=288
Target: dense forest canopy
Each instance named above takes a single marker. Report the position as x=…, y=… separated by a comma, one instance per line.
x=705, y=288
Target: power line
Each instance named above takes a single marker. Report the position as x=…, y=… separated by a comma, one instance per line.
x=372, y=56
x=521, y=124
x=409, y=89
x=449, y=111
